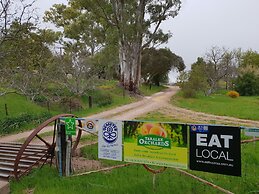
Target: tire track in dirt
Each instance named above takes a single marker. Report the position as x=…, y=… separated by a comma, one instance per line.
x=199, y=117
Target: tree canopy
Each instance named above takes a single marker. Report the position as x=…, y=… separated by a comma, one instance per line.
x=156, y=64
x=132, y=25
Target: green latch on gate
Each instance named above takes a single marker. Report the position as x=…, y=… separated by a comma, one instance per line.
x=70, y=126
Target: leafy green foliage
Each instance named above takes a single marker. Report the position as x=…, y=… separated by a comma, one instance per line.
x=247, y=84
x=129, y=25
x=196, y=80
x=156, y=64
x=27, y=59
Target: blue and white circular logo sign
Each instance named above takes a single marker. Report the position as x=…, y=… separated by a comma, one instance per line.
x=110, y=132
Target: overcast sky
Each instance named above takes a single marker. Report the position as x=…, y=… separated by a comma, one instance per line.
x=202, y=24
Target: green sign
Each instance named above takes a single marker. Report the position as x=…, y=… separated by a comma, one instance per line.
x=70, y=126
x=162, y=144
x=154, y=140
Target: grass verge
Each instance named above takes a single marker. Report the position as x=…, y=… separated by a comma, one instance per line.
x=219, y=104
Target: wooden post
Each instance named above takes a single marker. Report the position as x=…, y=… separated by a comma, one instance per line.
x=90, y=101
x=70, y=106
x=6, y=110
x=48, y=106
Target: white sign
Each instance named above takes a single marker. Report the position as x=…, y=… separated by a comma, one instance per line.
x=89, y=125
x=254, y=132
x=110, y=140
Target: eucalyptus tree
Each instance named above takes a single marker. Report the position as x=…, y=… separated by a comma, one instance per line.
x=136, y=25
x=156, y=64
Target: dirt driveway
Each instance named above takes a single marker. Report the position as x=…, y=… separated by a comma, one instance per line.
x=157, y=102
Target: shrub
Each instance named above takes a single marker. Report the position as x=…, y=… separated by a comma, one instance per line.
x=247, y=84
x=233, y=94
x=188, y=90
x=40, y=99
x=103, y=100
x=189, y=93
x=71, y=104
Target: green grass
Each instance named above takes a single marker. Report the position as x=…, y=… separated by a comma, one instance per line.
x=17, y=104
x=157, y=116
x=220, y=104
x=135, y=179
x=146, y=91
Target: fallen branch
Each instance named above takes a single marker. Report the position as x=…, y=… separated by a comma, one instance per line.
x=103, y=169
x=203, y=181
x=250, y=140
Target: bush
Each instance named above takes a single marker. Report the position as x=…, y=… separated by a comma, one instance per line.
x=247, y=84
x=188, y=90
x=233, y=94
x=103, y=100
x=40, y=99
x=71, y=104
x=189, y=93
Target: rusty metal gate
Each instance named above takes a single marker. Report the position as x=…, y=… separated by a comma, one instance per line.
x=17, y=159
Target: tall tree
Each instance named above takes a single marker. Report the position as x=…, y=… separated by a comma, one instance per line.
x=197, y=79
x=156, y=64
x=20, y=11
x=24, y=69
x=75, y=70
x=220, y=65
x=137, y=25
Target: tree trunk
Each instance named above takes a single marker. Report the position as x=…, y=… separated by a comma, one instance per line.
x=130, y=66
x=130, y=50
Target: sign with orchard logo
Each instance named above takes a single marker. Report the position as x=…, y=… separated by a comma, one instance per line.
x=162, y=144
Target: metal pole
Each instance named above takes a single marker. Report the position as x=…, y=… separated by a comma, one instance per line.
x=59, y=149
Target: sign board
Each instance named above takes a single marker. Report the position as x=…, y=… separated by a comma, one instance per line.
x=215, y=149
x=254, y=132
x=89, y=125
x=162, y=144
x=70, y=126
x=110, y=140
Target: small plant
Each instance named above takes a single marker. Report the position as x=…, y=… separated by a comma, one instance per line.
x=233, y=94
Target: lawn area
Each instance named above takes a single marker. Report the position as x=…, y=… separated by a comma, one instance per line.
x=219, y=104
x=17, y=104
